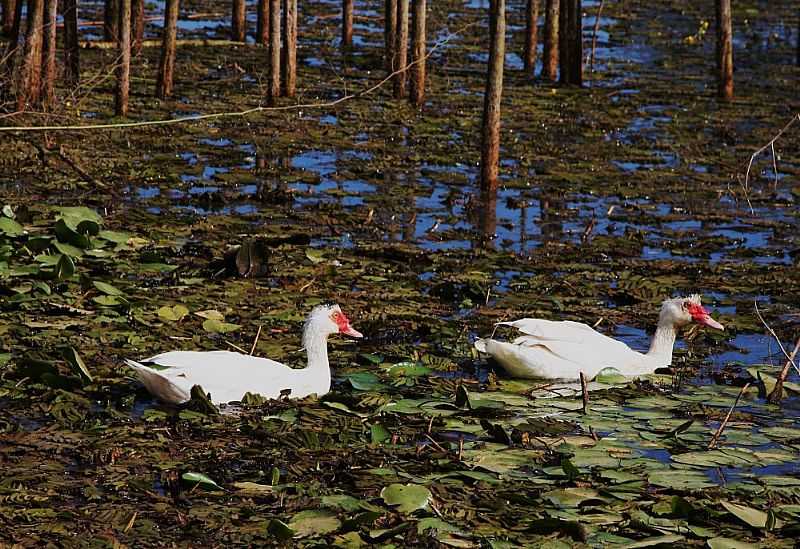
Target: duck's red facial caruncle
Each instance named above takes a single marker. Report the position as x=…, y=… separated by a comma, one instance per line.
x=701, y=316
x=343, y=323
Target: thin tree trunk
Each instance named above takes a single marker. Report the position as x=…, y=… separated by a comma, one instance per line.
x=239, y=21
x=49, y=55
x=72, y=65
x=111, y=20
x=724, y=50
x=29, y=73
x=419, y=54
x=389, y=34
x=531, y=36
x=262, y=23
x=347, y=23
x=137, y=26
x=798, y=38
x=9, y=8
x=10, y=54
x=401, y=50
x=274, y=50
x=490, y=145
x=166, y=68
x=289, y=68
x=571, y=43
x=550, y=54
x=124, y=66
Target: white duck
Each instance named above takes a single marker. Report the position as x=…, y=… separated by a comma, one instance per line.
x=562, y=350
x=228, y=376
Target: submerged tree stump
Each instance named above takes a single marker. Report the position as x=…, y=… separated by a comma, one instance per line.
x=389, y=34
x=124, y=65
x=724, y=50
x=419, y=52
x=289, y=58
x=274, y=87
x=262, y=23
x=49, y=54
x=490, y=143
x=72, y=66
x=401, y=50
x=28, y=72
x=550, y=46
x=531, y=36
x=239, y=21
x=347, y=23
x=166, y=68
x=571, y=43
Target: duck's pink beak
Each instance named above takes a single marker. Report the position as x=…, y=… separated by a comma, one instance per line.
x=702, y=317
x=352, y=332
x=344, y=326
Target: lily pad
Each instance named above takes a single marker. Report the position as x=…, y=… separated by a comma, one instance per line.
x=314, y=522
x=407, y=497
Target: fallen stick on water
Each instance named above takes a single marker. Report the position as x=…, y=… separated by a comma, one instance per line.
x=777, y=392
x=724, y=423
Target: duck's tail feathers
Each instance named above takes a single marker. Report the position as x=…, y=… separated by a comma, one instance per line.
x=158, y=385
x=480, y=344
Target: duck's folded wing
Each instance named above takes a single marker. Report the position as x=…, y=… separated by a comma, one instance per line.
x=219, y=360
x=552, y=330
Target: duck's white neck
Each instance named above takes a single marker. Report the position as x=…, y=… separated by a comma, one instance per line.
x=316, y=345
x=662, y=343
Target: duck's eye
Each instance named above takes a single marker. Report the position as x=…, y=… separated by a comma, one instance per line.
x=685, y=305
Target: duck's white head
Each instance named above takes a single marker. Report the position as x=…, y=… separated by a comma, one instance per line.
x=684, y=310
x=326, y=320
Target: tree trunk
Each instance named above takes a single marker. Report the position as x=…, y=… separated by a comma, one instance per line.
x=239, y=21
x=72, y=65
x=49, y=55
x=111, y=20
x=347, y=23
x=798, y=38
x=550, y=54
x=490, y=145
x=289, y=69
x=9, y=56
x=124, y=66
x=137, y=26
x=166, y=68
x=389, y=34
x=9, y=8
x=262, y=23
x=724, y=50
x=274, y=50
x=419, y=54
x=29, y=73
x=571, y=43
x=401, y=50
x=531, y=36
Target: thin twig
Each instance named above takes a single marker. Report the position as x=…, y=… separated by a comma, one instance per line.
x=724, y=423
x=584, y=393
x=246, y=112
x=594, y=34
x=771, y=331
x=770, y=145
x=255, y=341
x=236, y=347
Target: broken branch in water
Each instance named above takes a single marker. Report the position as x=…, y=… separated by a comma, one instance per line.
x=777, y=392
x=790, y=358
x=725, y=421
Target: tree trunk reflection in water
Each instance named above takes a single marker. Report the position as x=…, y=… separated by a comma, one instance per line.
x=551, y=227
x=487, y=220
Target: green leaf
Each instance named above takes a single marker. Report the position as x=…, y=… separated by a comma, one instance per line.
x=215, y=326
x=69, y=235
x=173, y=313
x=8, y=211
x=407, y=497
x=65, y=268
x=115, y=236
x=199, y=479
x=364, y=381
x=748, y=515
x=379, y=434
x=314, y=255
x=67, y=249
x=668, y=539
x=314, y=522
x=106, y=288
x=610, y=376
x=76, y=363
x=78, y=214
x=728, y=543
x=279, y=529
x=11, y=228
x=408, y=369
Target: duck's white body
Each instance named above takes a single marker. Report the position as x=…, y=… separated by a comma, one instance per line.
x=563, y=349
x=227, y=376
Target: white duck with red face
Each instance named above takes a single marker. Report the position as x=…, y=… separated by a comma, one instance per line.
x=562, y=350
x=227, y=376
